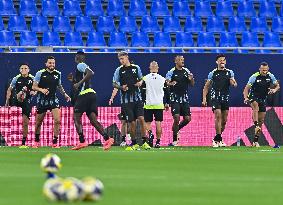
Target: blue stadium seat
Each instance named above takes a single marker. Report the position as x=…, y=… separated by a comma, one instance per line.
x=218, y=51
x=184, y=40
x=17, y=23
x=171, y=24
x=7, y=38
x=149, y=24
x=72, y=8
x=181, y=9
x=105, y=24
x=83, y=24
x=50, y=8
x=95, y=39
x=39, y=24
x=237, y=24
x=86, y=50
x=17, y=50
x=1, y=25
x=132, y=50
x=61, y=24
x=267, y=9
x=51, y=39
x=28, y=38
x=277, y=25
x=246, y=9
x=128, y=24
x=271, y=40
x=203, y=9
x=117, y=39
x=28, y=8
x=241, y=51
x=108, y=50
x=249, y=39
x=94, y=8
x=206, y=40
x=137, y=8
x=73, y=39
x=228, y=39
x=258, y=24
x=140, y=39
x=215, y=24
x=196, y=51
x=115, y=8
x=154, y=50
x=162, y=40
x=61, y=50
x=159, y=8
x=174, y=50
x=193, y=24
x=7, y=8
x=263, y=51
x=224, y=9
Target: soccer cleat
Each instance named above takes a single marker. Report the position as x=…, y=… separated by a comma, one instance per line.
x=255, y=144
x=146, y=146
x=129, y=149
x=221, y=144
x=135, y=147
x=108, y=143
x=174, y=144
x=123, y=144
x=215, y=144
x=80, y=146
x=35, y=145
x=56, y=146
x=157, y=145
x=257, y=130
x=150, y=140
x=23, y=147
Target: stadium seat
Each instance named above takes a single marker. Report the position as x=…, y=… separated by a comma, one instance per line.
x=258, y=24
x=267, y=9
x=73, y=39
x=95, y=39
x=237, y=24
x=224, y=9
x=218, y=51
x=27, y=8
x=118, y=39
x=249, y=39
x=61, y=24
x=83, y=24
x=61, y=50
x=140, y=39
x=17, y=50
x=17, y=23
x=7, y=8
x=132, y=50
x=263, y=51
x=105, y=24
x=196, y=51
x=50, y=8
x=137, y=8
x=184, y=40
x=108, y=50
x=28, y=38
x=94, y=8
x=246, y=9
x=7, y=38
x=193, y=24
x=149, y=24
x=115, y=8
x=228, y=39
x=271, y=40
x=241, y=51
x=159, y=9
x=162, y=40
x=72, y=8
x=1, y=25
x=86, y=50
x=154, y=50
x=215, y=24
x=277, y=25
x=39, y=24
x=206, y=40
x=128, y=24
x=174, y=50
x=203, y=9
x=181, y=9
x=171, y=24
x=51, y=39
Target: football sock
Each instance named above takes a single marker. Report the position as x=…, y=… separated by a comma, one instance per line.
x=256, y=123
x=150, y=133
x=144, y=140
x=105, y=136
x=175, y=138
x=158, y=141
x=217, y=138
x=256, y=138
x=124, y=138
x=24, y=140
x=81, y=138
x=134, y=142
x=183, y=124
x=37, y=137
x=55, y=140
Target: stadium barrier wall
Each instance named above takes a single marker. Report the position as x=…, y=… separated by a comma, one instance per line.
x=199, y=132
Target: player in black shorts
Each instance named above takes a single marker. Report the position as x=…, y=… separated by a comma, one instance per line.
x=220, y=80
x=86, y=102
x=179, y=78
x=128, y=79
x=255, y=94
x=46, y=82
x=22, y=84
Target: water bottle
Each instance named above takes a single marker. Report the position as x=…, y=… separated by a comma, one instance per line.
x=238, y=141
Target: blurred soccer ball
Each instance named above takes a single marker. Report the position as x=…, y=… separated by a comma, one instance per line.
x=51, y=163
x=93, y=189
x=21, y=96
x=52, y=189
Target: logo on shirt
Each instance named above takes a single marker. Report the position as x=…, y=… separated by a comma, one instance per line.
x=123, y=72
x=258, y=81
x=134, y=70
x=56, y=77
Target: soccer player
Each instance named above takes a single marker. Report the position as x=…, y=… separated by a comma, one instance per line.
x=255, y=94
x=220, y=80
x=154, y=95
x=86, y=102
x=22, y=84
x=128, y=79
x=179, y=78
x=46, y=82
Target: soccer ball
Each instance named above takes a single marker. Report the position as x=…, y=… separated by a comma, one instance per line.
x=52, y=189
x=51, y=163
x=93, y=189
x=21, y=96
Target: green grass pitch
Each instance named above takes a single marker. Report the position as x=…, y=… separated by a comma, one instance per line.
x=189, y=176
